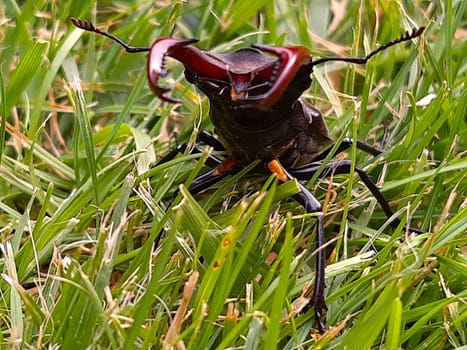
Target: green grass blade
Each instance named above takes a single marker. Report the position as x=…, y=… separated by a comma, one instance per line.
x=99, y=240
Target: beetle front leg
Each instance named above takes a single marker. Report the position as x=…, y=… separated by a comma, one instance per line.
x=218, y=172
x=311, y=205
x=208, y=139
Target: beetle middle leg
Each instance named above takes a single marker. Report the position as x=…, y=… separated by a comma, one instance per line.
x=344, y=167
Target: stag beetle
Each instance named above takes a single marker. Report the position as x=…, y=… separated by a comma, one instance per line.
x=255, y=106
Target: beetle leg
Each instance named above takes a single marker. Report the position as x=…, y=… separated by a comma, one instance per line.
x=220, y=168
x=205, y=137
x=346, y=144
x=344, y=167
x=210, y=140
x=228, y=166
x=211, y=161
x=311, y=205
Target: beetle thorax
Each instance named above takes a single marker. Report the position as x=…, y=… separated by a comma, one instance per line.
x=250, y=132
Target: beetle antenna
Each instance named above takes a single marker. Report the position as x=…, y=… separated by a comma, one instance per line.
x=362, y=60
x=88, y=26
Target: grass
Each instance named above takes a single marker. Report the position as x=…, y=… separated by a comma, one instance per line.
x=83, y=199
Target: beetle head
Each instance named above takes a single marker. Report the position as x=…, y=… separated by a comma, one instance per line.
x=246, y=76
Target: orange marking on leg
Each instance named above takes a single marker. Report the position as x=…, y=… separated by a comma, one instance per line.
x=276, y=168
x=226, y=165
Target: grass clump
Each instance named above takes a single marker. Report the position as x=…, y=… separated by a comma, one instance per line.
x=83, y=199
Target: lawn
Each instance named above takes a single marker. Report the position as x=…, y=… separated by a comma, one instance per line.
x=103, y=247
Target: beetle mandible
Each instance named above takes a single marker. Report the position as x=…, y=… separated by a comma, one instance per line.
x=257, y=113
